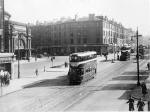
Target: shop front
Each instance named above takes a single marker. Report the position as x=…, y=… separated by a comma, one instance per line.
x=7, y=63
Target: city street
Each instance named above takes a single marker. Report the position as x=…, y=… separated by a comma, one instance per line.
x=74, y=55
x=108, y=91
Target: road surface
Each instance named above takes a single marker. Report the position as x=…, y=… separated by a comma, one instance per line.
x=105, y=92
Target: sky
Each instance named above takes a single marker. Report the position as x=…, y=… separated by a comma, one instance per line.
x=131, y=13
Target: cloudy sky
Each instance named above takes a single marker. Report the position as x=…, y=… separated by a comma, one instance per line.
x=131, y=13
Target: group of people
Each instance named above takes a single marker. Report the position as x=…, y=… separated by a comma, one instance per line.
x=4, y=77
x=140, y=103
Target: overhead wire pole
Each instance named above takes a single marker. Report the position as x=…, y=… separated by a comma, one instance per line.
x=18, y=56
x=137, y=57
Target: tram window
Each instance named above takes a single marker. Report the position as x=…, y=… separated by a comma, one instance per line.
x=80, y=70
x=74, y=58
x=88, y=70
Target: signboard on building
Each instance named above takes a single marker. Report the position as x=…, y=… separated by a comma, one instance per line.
x=5, y=60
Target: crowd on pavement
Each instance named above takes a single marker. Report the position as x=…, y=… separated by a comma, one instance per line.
x=4, y=78
x=140, y=103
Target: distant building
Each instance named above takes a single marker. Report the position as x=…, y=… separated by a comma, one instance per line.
x=96, y=33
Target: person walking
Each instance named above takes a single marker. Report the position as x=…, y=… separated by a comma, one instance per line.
x=144, y=89
x=36, y=72
x=148, y=65
x=131, y=103
x=140, y=105
x=66, y=64
x=44, y=69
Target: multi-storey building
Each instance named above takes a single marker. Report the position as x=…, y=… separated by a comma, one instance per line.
x=96, y=33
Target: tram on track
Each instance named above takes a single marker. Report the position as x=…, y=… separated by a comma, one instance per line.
x=82, y=67
x=125, y=53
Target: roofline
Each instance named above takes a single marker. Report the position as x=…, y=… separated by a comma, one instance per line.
x=18, y=23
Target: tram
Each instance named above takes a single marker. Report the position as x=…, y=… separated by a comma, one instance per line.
x=82, y=67
x=141, y=51
x=125, y=53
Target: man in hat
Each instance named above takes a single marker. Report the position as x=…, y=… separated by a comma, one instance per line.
x=131, y=103
x=140, y=105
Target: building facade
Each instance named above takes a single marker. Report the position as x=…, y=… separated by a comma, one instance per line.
x=17, y=38
x=96, y=33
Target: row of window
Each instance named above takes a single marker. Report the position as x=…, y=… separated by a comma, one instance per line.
x=108, y=41
x=78, y=40
x=111, y=26
x=110, y=33
x=90, y=69
x=75, y=58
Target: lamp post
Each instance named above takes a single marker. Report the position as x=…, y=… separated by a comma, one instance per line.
x=19, y=35
x=137, y=57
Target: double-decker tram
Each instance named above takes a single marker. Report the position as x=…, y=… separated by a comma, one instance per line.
x=82, y=67
x=125, y=53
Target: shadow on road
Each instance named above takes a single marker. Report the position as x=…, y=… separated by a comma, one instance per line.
x=130, y=88
x=142, y=72
x=136, y=93
x=141, y=77
x=59, y=81
x=119, y=87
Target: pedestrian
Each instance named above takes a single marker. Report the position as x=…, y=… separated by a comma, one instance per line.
x=118, y=57
x=2, y=77
x=148, y=65
x=66, y=64
x=36, y=72
x=140, y=105
x=131, y=103
x=144, y=89
x=44, y=68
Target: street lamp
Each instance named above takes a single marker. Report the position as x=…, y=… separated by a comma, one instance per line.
x=137, y=57
x=19, y=36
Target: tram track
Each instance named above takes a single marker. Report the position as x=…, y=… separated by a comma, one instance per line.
x=88, y=92
x=66, y=96
x=59, y=95
x=77, y=95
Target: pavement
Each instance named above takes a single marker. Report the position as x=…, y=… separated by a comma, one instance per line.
x=50, y=73
x=60, y=70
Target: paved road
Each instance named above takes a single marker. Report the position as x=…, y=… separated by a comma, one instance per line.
x=101, y=93
x=28, y=69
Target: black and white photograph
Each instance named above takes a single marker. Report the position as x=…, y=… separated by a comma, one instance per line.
x=74, y=55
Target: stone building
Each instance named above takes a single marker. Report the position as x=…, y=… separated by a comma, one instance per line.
x=96, y=33
x=17, y=38
x=14, y=37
